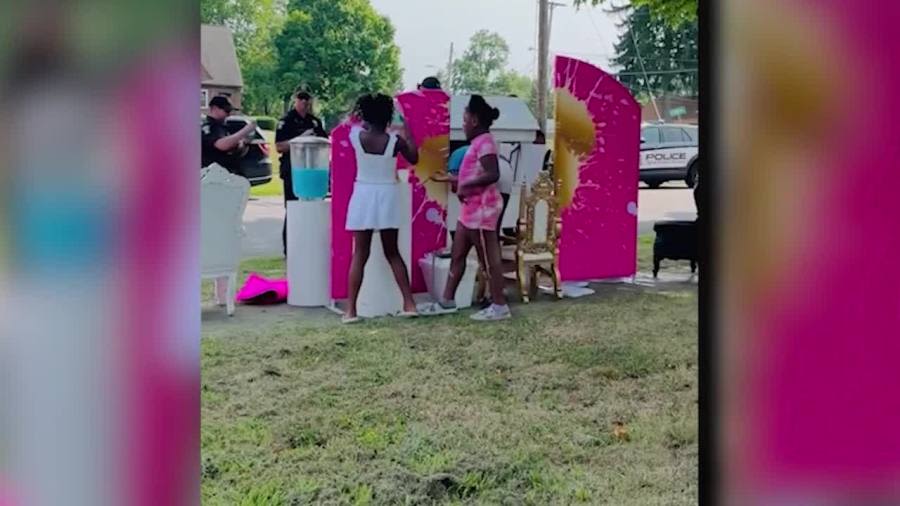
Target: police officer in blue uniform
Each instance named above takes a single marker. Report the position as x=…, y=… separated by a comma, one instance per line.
x=298, y=121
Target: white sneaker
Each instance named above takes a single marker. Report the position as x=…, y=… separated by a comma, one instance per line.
x=435, y=308
x=492, y=313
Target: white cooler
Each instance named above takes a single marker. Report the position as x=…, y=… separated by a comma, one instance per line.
x=436, y=271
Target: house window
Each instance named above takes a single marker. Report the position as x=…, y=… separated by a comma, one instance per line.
x=204, y=98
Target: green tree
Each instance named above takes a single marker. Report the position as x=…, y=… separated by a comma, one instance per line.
x=673, y=12
x=482, y=64
x=483, y=69
x=254, y=24
x=336, y=50
x=510, y=82
x=235, y=14
x=669, y=55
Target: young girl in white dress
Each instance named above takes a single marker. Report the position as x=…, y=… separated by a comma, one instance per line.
x=373, y=206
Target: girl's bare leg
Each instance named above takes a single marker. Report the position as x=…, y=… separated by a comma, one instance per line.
x=398, y=267
x=493, y=263
x=458, y=254
x=362, y=243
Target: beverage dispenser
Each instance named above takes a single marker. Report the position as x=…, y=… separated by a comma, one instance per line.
x=309, y=167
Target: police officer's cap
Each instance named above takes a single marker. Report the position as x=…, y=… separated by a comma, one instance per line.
x=221, y=102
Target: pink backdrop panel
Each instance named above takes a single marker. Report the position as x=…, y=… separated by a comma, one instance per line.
x=427, y=115
x=816, y=297
x=597, y=146
x=343, y=175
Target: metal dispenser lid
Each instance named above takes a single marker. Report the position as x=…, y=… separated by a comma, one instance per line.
x=309, y=139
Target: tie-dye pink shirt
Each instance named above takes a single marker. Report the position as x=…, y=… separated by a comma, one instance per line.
x=481, y=210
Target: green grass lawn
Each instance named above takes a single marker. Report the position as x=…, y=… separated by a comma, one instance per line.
x=273, y=188
x=448, y=411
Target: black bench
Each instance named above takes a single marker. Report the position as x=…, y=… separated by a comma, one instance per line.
x=675, y=240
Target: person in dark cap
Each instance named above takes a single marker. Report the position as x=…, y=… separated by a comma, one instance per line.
x=218, y=146
x=298, y=121
x=430, y=83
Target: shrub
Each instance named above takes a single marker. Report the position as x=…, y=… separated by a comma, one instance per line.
x=266, y=122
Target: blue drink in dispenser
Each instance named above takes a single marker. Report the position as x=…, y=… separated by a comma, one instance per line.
x=309, y=167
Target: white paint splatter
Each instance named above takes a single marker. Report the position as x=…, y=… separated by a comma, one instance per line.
x=632, y=208
x=434, y=216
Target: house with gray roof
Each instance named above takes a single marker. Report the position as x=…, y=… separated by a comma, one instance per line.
x=220, y=71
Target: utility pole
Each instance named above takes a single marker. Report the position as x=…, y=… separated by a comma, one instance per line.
x=542, y=70
x=449, y=84
x=545, y=22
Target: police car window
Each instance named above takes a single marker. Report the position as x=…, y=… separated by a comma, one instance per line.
x=650, y=135
x=690, y=134
x=672, y=135
x=233, y=126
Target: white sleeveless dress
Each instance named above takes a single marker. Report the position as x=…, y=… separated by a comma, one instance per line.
x=373, y=205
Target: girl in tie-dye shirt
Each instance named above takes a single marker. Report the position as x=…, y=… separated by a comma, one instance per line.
x=480, y=208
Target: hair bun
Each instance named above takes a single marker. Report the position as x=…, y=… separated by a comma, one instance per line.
x=495, y=113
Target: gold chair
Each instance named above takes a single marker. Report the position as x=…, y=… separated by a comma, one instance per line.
x=537, y=249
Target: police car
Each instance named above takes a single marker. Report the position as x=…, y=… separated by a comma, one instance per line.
x=669, y=153
x=256, y=165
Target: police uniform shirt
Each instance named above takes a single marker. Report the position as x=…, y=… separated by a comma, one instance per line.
x=292, y=125
x=211, y=131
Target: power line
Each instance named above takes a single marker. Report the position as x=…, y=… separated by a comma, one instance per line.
x=656, y=72
x=596, y=29
x=644, y=70
x=662, y=58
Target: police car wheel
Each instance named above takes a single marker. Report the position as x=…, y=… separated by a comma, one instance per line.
x=691, y=179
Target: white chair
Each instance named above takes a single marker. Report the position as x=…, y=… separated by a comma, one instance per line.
x=223, y=198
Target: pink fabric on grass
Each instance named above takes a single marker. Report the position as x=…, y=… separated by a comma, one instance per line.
x=260, y=290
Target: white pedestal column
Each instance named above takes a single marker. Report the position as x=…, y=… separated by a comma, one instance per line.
x=309, y=253
x=380, y=295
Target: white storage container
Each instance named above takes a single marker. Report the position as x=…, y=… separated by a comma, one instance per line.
x=436, y=271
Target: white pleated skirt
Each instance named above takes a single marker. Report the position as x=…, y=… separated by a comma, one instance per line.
x=374, y=206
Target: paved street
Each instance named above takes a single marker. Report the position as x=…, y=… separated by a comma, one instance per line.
x=263, y=221
x=264, y=216
x=672, y=201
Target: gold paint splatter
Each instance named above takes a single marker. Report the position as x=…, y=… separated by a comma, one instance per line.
x=785, y=108
x=575, y=138
x=565, y=169
x=433, y=155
